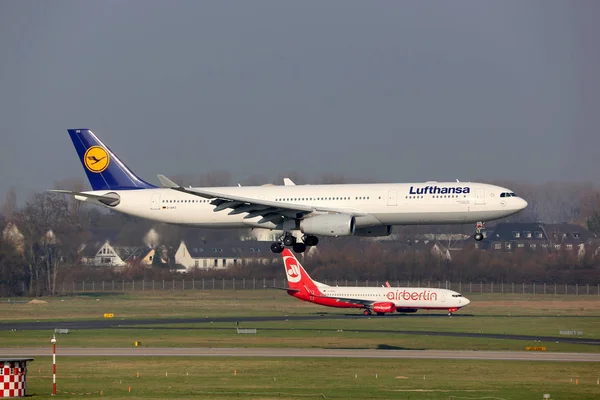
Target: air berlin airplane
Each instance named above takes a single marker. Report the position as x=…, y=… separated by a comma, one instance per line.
x=380, y=300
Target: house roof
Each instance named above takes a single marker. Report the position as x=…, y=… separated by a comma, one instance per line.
x=229, y=249
x=139, y=253
x=90, y=250
x=538, y=231
x=124, y=252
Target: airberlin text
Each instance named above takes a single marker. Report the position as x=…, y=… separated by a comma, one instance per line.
x=439, y=190
x=406, y=295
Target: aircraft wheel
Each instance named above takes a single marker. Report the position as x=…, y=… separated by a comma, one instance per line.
x=478, y=237
x=449, y=314
x=311, y=240
x=289, y=240
x=366, y=313
x=299, y=247
x=277, y=247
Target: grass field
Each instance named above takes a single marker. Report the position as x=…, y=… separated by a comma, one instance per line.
x=213, y=378
x=487, y=314
x=209, y=378
x=216, y=303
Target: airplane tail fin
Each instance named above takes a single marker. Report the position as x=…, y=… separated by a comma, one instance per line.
x=297, y=276
x=103, y=168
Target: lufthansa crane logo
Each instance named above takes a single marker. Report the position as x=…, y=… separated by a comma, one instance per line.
x=292, y=270
x=96, y=159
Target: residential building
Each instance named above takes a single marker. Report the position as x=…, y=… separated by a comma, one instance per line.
x=537, y=236
x=206, y=255
x=108, y=255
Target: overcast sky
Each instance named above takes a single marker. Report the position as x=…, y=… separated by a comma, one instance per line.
x=397, y=91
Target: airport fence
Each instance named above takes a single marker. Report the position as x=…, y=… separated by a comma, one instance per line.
x=261, y=284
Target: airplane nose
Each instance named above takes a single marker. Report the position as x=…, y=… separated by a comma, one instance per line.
x=523, y=204
x=466, y=301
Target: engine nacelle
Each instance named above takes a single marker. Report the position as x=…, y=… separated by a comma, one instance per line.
x=384, y=307
x=373, y=231
x=329, y=225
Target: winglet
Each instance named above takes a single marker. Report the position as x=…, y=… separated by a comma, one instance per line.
x=166, y=182
x=288, y=182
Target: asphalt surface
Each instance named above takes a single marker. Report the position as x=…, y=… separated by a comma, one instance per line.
x=175, y=323
x=291, y=353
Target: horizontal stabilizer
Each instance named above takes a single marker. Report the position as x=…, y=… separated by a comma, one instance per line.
x=282, y=288
x=110, y=199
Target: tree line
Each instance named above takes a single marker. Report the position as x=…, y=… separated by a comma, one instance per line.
x=41, y=240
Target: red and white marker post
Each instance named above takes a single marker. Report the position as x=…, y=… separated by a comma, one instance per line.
x=53, y=341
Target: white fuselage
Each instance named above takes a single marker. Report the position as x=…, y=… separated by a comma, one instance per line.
x=402, y=298
x=376, y=204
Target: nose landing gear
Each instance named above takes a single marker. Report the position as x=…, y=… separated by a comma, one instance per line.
x=478, y=235
x=451, y=310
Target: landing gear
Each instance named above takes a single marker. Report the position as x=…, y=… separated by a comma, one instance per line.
x=299, y=247
x=310, y=240
x=478, y=235
x=277, y=247
x=288, y=240
x=449, y=314
x=366, y=313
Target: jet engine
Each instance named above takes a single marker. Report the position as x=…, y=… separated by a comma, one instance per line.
x=384, y=307
x=329, y=225
x=373, y=231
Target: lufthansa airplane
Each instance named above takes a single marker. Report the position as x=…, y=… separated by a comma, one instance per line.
x=300, y=212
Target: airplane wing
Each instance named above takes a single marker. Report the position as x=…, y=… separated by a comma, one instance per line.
x=366, y=303
x=270, y=211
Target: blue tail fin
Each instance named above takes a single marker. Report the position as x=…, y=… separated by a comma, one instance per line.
x=103, y=168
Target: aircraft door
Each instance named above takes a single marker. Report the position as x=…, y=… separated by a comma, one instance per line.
x=155, y=202
x=392, y=198
x=443, y=297
x=479, y=196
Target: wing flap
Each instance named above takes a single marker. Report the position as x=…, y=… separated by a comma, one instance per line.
x=366, y=303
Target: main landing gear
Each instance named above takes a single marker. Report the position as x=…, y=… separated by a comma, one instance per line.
x=288, y=240
x=478, y=235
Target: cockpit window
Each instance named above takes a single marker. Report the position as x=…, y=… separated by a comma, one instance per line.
x=508, y=194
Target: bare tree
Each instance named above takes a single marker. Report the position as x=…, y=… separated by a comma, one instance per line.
x=45, y=213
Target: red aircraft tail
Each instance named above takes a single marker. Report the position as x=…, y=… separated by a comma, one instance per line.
x=297, y=277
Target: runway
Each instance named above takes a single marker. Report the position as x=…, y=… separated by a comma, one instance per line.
x=304, y=353
x=177, y=323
